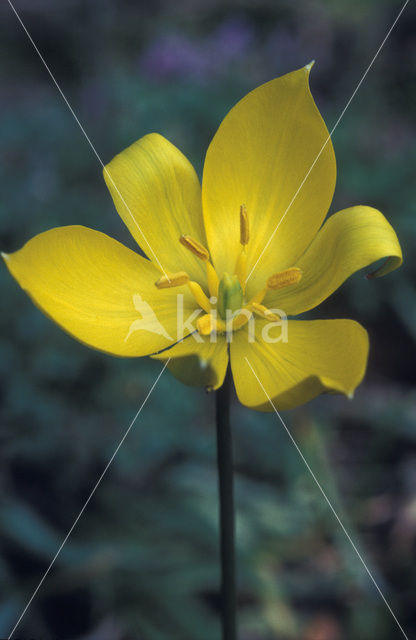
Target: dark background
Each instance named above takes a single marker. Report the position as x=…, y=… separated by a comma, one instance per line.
x=143, y=561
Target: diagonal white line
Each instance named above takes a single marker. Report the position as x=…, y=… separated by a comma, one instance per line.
x=107, y=173
x=329, y=136
x=318, y=484
x=87, y=502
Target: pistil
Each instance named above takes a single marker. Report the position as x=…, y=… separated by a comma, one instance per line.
x=230, y=296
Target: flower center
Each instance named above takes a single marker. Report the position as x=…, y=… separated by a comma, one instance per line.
x=226, y=308
x=230, y=295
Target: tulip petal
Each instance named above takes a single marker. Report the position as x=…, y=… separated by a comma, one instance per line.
x=157, y=194
x=198, y=364
x=350, y=240
x=319, y=356
x=98, y=290
x=260, y=156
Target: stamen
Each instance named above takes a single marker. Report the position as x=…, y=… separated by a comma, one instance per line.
x=264, y=312
x=284, y=278
x=241, y=318
x=195, y=247
x=206, y=324
x=241, y=268
x=199, y=296
x=172, y=280
x=213, y=281
x=244, y=226
x=258, y=298
x=241, y=264
x=277, y=281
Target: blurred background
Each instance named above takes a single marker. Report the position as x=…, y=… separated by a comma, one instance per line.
x=143, y=561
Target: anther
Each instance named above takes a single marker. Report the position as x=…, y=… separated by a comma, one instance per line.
x=195, y=247
x=172, y=280
x=207, y=323
x=284, y=278
x=244, y=226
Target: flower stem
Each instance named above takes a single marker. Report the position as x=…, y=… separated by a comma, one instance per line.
x=226, y=512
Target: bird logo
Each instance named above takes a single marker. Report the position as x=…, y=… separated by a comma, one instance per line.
x=148, y=320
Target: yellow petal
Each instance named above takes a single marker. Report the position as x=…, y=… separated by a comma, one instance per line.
x=98, y=290
x=319, y=356
x=350, y=240
x=198, y=363
x=259, y=157
x=157, y=193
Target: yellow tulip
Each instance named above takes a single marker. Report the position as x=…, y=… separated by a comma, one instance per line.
x=250, y=242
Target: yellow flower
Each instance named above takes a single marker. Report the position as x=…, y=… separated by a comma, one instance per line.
x=241, y=255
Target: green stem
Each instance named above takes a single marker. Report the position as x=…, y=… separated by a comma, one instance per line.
x=227, y=517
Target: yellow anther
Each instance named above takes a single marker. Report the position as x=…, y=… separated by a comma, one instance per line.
x=207, y=323
x=172, y=280
x=213, y=281
x=284, y=278
x=244, y=226
x=199, y=296
x=264, y=312
x=195, y=247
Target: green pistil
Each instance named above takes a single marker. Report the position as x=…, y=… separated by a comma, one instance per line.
x=230, y=295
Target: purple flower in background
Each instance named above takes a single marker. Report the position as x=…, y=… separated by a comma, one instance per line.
x=175, y=55
x=285, y=47
x=231, y=40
